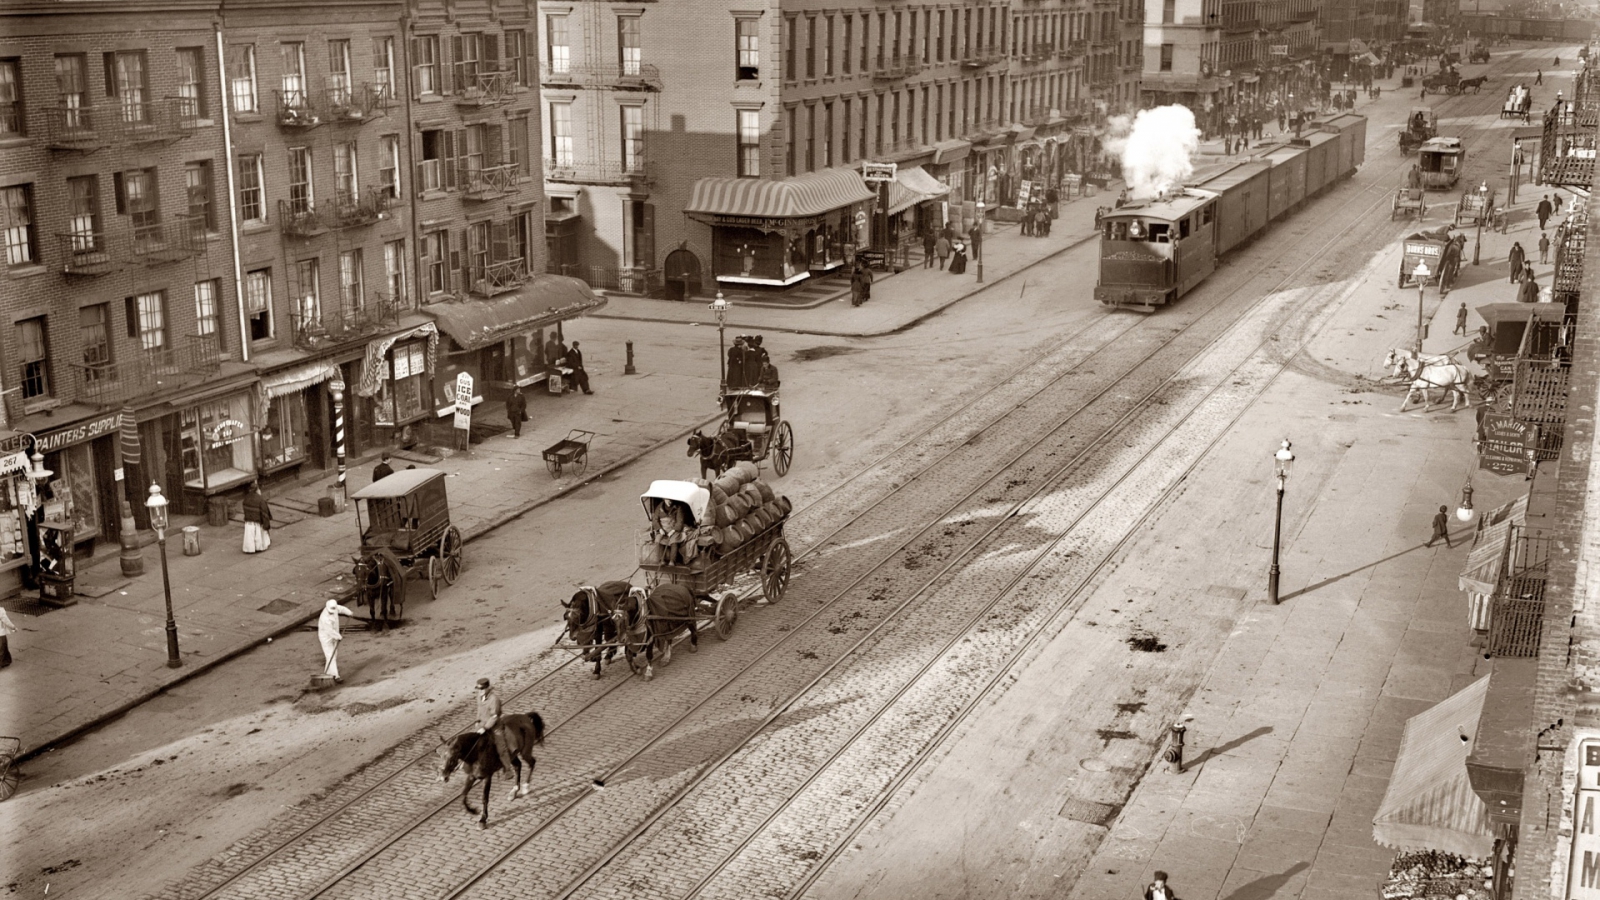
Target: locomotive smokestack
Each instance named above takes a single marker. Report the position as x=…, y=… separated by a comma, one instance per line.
x=1157, y=149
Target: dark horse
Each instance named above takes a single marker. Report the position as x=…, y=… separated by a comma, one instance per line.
x=646, y=623
x=590, y=622
x=718, y=453
x=475, y=753
x=381, y=584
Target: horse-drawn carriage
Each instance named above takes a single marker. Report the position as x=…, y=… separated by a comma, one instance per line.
x=754, y=428
x=1445, y=82
x=1427, y=248
x=1410, y=202
x=1514, y=330
x=1421, y=124
x=1475, y=206
x=1439, y=161
x=1479, y=54
x=406, y=534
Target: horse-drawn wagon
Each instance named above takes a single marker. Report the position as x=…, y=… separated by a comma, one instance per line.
x=1475, y=206
x=1446, y=82
x=1427, y=248
x=1514, y=330
x=1421, y=124
x=754, y=429
x=405, y=535
x=1440, y=160
x=1409, y=201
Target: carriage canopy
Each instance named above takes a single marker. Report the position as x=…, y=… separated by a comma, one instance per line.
x=693, y=497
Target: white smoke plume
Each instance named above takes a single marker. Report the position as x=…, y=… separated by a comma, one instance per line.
x=1157, y=148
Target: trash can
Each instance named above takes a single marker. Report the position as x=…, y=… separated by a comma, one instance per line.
x=191, y=540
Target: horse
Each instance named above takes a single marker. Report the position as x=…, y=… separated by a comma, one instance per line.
x=705, y=447
x=1402, y=361
x=590, y=622
x=476, y=755
x=645, y=622
x=1474, y=84
x=1454, y=378
x=380, y=584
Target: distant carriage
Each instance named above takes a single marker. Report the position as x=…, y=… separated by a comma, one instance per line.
x=754, y=428
x=1446, y=82
x=1422, y=123
x=1440, y=161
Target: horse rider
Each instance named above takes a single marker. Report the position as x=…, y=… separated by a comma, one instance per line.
x=489, y=722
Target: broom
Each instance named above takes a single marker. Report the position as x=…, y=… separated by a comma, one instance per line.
x=324, y=679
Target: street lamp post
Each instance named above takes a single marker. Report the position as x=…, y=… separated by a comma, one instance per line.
x=157, y=505
x=977, y=241
x=1483, y=213
x=1420, y=273
x=1282, y=461
x=719, y=306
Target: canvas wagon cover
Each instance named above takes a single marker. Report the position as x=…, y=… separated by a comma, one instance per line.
x=671, y=601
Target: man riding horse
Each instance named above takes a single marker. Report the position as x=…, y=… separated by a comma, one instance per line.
x=489, y=724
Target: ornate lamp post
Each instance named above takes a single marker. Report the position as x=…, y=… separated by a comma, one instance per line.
x=977, y=241
x=719, y=306
x=1282, y=461
x=1483, y=205
x=157, y=505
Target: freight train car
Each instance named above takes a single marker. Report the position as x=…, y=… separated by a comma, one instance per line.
x=1529, y=29
x=1153, y=252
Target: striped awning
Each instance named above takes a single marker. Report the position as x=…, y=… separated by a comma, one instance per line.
x=803, y=195
x=1482, y=572
x=912, y=185
x=1430, y=803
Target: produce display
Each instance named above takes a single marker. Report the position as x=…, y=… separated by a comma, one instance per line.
x=1431, y=875
x=739, y=506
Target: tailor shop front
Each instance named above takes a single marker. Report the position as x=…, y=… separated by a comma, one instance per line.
x=778, y=233
x=293, y=412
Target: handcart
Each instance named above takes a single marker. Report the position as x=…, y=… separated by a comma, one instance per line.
x=571, y=452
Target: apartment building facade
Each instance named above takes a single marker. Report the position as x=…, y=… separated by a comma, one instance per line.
x=1202, y=53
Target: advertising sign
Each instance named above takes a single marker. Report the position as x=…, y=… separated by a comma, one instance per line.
x=1583, y=872
x=874, y=172
x=464, y=401
x=1503, y=444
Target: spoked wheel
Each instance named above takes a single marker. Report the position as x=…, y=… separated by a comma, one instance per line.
x=782, y=449
x=554, y=465
x=775, y=571
x=435, y=576
x=727, y=614
x=580, y=463
x=450, y=554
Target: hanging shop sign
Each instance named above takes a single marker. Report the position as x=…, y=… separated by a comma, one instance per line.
x=66, y=437
x=14, y=464
x=872, y=172
x=1504, y=445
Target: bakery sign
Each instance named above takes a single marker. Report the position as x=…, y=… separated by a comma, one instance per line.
x=225, y=432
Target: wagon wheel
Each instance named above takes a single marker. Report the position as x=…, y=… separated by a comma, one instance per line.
x=450, y=554
x=580, y=461
x=435, y=575
x=553, y=463
x=775, y=571
x=782, y=449
x=727, y=614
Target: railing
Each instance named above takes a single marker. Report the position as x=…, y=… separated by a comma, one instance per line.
x=635, y=75
x=328, y=327
x=1566, y=155
x=164, y=242
x=363, y=208
x=150, y=371
x=597, y=173
x=301, y=220
x=86, y=253
x=297, y=109
x=632, y=281
x=497, y=278
x=491, y=182
x=1516, y=609
x=103, y=125
x=984, y=56
x=903, y=66
x=353, y=105
x=493, y=88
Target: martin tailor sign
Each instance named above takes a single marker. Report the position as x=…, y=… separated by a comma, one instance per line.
x=1504, y=444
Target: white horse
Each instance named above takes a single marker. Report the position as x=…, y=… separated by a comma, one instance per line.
x=1401, y=361
x=1453, y=378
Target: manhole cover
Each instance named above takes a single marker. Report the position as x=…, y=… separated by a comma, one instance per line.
x=1089, y=812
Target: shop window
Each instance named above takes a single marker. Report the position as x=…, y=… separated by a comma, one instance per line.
x=402, y=397
x=70, y=498
x=218, y=446
x=284, y=437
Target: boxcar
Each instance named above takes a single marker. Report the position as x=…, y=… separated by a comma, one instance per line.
x=1242, y=204
x=1288, y=179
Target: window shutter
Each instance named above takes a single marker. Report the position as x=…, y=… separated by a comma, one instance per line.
x=417, y=177
x=110, y=60
x=416, y=68
x=456, y=261
x=459, y=62
x=494, y=146
x=131, y=313
x=120, y=190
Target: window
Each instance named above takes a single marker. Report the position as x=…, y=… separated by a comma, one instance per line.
x=308, y=290
x=827, y=135
x=197, y=185
x=34, y=358
x=466, y=53
x=128, y=80
x=293, y=81
x=847, y=46
x=790, y=48
x=218, y=446
x=844, y=130
x=394, y=271
x=811, y=138
x=478, y=255
x=94, y=335
x=749, y=127
x=430, y=170
x=191, y=82
x=83, y=213
x=207, y=299
x=389, y=165
x=1166, y=57
x=252, y=207
x=436, y=250
x=638, y=238
x=22, y=244
x=425, y=64
x=747, y=37
x=519, y=147
x=300, y=197
x=811, y=46
x=351, y=280
x=383, y=66
x=147, y=319
x=346, y=188
x=629, y=50
x=242, y=78
x=339, y=73
x=258, y=303
x=1169, y=9
x=561, y=134
x=883, y=34
x=72, y=90
x=559, y=47
x=12, y=121
x=401, y=397
x=516, y=63
x=877, y=140
x=632, y=138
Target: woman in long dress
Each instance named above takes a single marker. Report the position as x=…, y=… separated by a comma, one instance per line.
x=958, y=259
x=257, y=521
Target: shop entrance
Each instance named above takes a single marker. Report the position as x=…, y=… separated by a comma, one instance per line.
x=682, y=274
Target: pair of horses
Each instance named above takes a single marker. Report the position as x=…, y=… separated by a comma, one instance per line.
x=1429, y=372
x=476, y=756
x=616, y=613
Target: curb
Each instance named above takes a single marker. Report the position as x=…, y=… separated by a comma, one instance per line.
x=296, y=623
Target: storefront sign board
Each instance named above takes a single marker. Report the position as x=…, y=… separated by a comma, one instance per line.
x=463, y=401
x=1503, y=445
x=14, y=463
x=51, y=441
x=1583, y=871
x=874, y=172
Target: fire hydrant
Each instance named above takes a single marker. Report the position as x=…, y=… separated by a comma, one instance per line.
x=1174, y=754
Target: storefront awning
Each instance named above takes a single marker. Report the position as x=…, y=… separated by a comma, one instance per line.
x=545, y=300
x=1430, y=804
x=296, y=379
x=951, y=151
x=1495, y=313
x=1483, y=563
x=804, y=195
x=911, y=186
x=1504, y=745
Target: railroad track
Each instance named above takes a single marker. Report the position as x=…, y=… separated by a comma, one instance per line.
x=354, y=849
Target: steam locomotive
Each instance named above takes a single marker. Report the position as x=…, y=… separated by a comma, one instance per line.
x=1154, y=251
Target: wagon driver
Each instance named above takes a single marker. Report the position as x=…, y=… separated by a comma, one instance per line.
x=328, y=635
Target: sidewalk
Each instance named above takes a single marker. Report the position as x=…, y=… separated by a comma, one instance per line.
x=79, y=666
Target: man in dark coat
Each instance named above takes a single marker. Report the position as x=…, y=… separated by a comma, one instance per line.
x=575, y=363
x=382, y=470
x=1543, y=211
x=1441, y=527
x=517, y=410
x=1529, y=291
x=930, y=241
x=1461, y=320
x=1514, y=260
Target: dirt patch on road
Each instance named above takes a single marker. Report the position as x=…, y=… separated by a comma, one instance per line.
x=811, y=354
x=1145, y=642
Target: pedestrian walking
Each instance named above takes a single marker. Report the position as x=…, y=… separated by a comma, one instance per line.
x=6, y=631
x=930, y=241
x=942, y=248
x=1514, y=260
x=517, y=410
x=1528, y=292
x=1461, y=320
x=1543, y=211
x=382, y=470
x=958, y=259
x=1527, y=272
x=257, y=520
x=580, y=376
x=861, y=281
x=1538, y=77
x=1158, y=889
x=1555, y=203
x=1441, y=527
x=328, y=635
x=1544, y=248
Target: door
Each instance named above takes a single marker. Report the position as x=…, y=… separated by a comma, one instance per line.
x=682, y=274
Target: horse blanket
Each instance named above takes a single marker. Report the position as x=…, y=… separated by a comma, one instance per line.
x=670, y=601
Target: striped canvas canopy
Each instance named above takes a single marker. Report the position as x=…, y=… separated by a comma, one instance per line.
x=1430, y=804
x=803, y=195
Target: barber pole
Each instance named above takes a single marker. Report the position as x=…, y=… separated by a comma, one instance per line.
x=336, y=385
